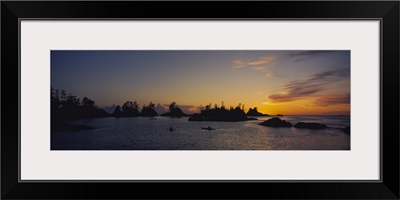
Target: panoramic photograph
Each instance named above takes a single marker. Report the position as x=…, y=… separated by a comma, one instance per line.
x=200, y=100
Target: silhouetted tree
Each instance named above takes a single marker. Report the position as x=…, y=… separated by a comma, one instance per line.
x=220, y=114
x=64, y=100
x=55, y=101
x=117, y=111
x=69, y=100
x=88, y=102
x=129, y=105
x=172, y=106
x=56, y=95
x=130, y=109
x=63, y=95
x=152, y=105
x=254, y=112
x=149, y=111
x=174, y=111
x=65, y=106
x=52, y=93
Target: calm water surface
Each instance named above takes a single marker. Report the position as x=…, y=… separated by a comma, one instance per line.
x=140, y=133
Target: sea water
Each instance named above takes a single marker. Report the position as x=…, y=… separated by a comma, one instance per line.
x=152, y=133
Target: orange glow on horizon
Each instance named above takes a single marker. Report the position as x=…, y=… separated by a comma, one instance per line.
x=304, y=108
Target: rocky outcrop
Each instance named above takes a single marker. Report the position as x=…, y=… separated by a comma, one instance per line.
x=346, y=129
x=175, y=112
x=148, y=112
x=276, y=122
x=254, y=112
x=220, y=114
x=117, y=112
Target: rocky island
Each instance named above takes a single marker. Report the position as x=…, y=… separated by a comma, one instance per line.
x=174, y=111
x=131, y=109
x=276, y=122
x=221, y=114
x=346, y=129
x=254, y=112
x=66, y=107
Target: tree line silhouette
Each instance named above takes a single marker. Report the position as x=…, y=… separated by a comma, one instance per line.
x=131, y=109
x=220, y=113
x=174, y=111
x=66, y=106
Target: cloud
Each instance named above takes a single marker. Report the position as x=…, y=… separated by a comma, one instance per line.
x=306, y=55
x=273, y=74
x=262, y=60
x=265, y=60
x=341, y=73
x=193, y=110
x=293, y=95
x=296, y=90
x=332, y=100
x=259, y=68
x=238, y=64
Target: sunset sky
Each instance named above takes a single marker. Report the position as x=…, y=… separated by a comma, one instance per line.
x=276, y=82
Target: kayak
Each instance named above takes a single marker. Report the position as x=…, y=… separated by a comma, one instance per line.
x=208, y=128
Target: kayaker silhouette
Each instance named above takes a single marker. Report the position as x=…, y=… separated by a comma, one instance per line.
x=208, y=128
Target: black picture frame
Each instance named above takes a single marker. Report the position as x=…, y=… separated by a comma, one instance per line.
x=386, y=11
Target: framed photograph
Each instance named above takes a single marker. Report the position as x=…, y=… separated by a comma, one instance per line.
x=290, y=96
